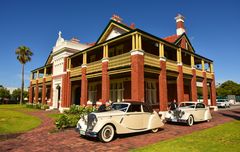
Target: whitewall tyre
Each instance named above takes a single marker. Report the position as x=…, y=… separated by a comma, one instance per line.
x=190, y=120
x=154, y=130
x=106, y=134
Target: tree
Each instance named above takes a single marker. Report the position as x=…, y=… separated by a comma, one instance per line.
x=228, y=88
x=16, y=94
x=4, y=94
x=23, y=55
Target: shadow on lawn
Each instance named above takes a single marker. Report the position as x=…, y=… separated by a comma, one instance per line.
x=9, y=136
x=234, y=116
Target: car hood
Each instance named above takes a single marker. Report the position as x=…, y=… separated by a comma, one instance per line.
x=108, y=113
x=186, y=109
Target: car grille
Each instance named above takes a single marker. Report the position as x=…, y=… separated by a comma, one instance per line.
x=90, y=120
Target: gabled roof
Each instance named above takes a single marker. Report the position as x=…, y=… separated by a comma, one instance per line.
x=112, y=24
x=175, y=39
x=184, y=36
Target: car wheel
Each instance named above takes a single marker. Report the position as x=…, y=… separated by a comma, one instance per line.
x=190, y=120
x=154, y=130
x=106, y=134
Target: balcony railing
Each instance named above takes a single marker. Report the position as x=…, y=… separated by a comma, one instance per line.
x=171, y=65
x=94, y=67
x=151, y=60
x=75, y=71
x=120, y=61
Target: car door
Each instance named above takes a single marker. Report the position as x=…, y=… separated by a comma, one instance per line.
x=133, y=119
x=147, y=112
x=199, y=112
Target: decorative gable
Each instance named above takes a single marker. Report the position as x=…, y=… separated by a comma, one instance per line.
x=184, y=42
x=112, y=30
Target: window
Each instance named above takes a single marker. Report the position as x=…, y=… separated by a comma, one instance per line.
x=200, y=105
x=134, y=108
x=147, y=109
x=116, y=91
x=92, y=92
x=150, y=92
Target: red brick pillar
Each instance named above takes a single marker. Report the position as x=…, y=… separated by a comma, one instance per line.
x=44, y=91
x=84, y=88
x=30, y=93
x=163, y=85
x=180, y=84
x=69, y=88
x=105, y=81
x=213, y=91
x=137, y=75
x=205, y=89
x=194, y=85
x=64, y=91
x=51, y=94
x=36, y=92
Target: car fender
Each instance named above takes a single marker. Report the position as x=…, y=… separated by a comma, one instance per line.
x=207, y=115
x=186, y=115
x=155, y=121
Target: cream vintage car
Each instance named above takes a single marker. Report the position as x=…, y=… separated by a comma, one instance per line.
x=121, y=118
x=189, y=112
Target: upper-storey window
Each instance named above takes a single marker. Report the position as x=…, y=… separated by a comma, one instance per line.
x=95, y=55
x=120, y=47
x=170, y=53
x=76, y=61
x=150, y=46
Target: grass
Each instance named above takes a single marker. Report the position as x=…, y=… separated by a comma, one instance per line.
x=14, y=120
x=55, y=115
x=225, y=137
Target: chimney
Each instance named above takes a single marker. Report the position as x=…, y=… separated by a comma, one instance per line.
x=180, y=24
x=117, y=18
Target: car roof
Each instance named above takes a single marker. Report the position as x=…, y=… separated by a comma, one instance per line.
x=131, y=102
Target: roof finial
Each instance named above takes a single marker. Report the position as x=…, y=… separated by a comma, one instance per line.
x=117, y=18
x=59, y=34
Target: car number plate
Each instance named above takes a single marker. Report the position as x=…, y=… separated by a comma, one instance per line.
x=82, y=132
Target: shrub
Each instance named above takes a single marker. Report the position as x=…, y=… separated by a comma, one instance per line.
x=70, y=117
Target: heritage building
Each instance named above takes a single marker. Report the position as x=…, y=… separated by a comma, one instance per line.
x=125, y=63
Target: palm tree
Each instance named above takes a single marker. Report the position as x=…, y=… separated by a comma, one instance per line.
x=23, y=55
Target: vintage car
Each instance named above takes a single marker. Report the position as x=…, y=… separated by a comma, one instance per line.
x=120, y=118
x=189, y=112
x=223, y=103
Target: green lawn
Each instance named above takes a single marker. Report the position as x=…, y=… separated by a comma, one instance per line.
x=55, y=115
x=14, y=120
x=225, y=137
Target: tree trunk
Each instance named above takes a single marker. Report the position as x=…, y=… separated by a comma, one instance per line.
x=22, y=89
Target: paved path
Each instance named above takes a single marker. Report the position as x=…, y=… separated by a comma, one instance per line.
x=40, y=139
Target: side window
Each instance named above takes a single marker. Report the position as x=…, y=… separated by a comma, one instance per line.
x=134, y=108
x=200, y=105
x=147, y=109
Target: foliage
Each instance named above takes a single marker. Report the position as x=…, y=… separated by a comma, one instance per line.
x=37, y=106
x=70, y=117
x=228, y=88
x=13, y=120
x=23, y=55
x=224, y=137
x=4, y=94
x=16, y=94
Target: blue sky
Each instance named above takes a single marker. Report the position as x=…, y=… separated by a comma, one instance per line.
x=212, y=26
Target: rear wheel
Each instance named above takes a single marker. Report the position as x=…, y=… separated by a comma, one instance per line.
x=106, y=134
x=190, y=120
x=154, y=130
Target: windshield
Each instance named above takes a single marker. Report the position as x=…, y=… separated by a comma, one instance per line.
x=187, y=105
x=121, y=107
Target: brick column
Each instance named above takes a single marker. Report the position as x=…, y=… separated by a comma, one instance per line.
x=163, y=85
x=36, y=92
x=69, y=88
x=105, y=81
x=84, y=88
x=213, y=91
x=30, y=93
x=51, y=94
x=137, y=75
x=205, y=89
x=194, y=85
x=64, y=91
x=44, y=91
x=180, y=86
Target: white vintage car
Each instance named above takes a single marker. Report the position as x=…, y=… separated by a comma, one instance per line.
x=189, y=112
x=223, y=103
x=121, y=118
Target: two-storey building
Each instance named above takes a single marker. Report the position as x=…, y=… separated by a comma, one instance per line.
x=125, y=63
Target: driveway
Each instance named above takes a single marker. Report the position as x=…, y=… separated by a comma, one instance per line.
x=40, y=139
